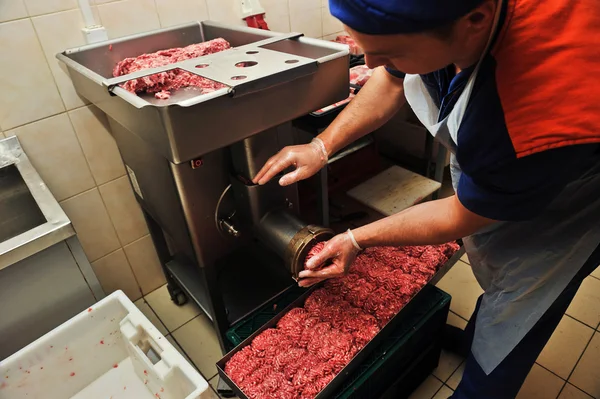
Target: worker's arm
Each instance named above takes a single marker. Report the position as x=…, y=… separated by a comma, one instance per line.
x=515, y=190
x=375, y=104
x=434, y=222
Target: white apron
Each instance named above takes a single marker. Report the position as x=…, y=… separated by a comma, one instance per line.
x=522, y=266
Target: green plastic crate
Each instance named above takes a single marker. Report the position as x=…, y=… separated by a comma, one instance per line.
x=413, y=347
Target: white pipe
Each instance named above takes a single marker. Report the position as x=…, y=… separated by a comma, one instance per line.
x=88, y=15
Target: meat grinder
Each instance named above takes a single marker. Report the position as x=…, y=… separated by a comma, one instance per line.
x=225, y=243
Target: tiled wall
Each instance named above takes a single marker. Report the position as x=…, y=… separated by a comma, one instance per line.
x=68, y=140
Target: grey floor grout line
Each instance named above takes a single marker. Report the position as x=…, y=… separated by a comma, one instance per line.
x=577, y=363
x=561, y=389
x=582, y=322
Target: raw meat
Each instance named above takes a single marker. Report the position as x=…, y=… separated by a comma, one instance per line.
x=162, y=84
x=359, y=75
x=312, y=344
x=347, y=40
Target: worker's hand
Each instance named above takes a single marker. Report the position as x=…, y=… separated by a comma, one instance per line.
x=340, y=251
x=307, y=159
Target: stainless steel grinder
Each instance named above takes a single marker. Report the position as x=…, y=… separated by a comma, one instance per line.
x=225, y=243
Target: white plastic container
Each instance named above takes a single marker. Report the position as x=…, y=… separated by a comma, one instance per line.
x=109, y=351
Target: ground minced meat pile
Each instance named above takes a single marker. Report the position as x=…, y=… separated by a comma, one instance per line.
x=312, y=344
x=164, y=83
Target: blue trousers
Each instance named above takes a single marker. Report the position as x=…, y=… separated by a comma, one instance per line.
x=506, y=380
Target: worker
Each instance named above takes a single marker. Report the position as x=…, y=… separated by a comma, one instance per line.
x=509, y=87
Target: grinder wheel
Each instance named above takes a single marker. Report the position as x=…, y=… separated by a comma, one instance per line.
x=302, y=243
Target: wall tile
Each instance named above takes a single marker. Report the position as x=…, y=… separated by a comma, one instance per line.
x=332, y=36
x=58, y=32
x=52, y=147
x=128, y=17
x=12, y=9
x=93, y=226
x=227, y=11
x=307, y=22
x=145, y=264
x=276, y=7
x=38, y=7
x=277, y=13
x=303, y=5
x=99, y=146
x=174, y=12
x=123, y=210
x=114, y=273
x=330, y=23
x=28, y=89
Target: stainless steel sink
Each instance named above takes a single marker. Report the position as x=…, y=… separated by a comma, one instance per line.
x=31, y=219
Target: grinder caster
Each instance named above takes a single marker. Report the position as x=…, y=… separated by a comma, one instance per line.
x=177, y=295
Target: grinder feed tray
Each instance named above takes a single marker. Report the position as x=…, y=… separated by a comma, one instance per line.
x=270, y=78
x=358, y=359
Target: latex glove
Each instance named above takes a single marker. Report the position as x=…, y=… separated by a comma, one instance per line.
x=341, y=251
x=307, y=159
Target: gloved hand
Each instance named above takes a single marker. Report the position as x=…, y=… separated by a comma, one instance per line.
x=341, y=250
x=308, y=159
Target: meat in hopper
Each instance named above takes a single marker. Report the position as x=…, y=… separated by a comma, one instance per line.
x=164, y=83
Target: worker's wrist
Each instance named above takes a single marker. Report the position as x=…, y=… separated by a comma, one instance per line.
x=358, y=236
x=328, y=145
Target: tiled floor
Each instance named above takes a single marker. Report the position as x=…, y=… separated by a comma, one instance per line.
x=568, y=368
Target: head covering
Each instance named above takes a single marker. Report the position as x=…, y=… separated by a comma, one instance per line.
x=387, y=17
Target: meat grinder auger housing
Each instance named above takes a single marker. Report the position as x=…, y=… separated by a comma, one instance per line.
x=190, y=158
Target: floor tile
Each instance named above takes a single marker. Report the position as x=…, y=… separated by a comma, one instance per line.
x=444, y=393
x=572, y=392
x=214, y=382
x=456, y=321
x=587, y=373
x=448, y=364
x=149, y=313
x=540, y=384
x=461, y=284
x=427, y=389
x=465, y=258
x=171, y=315
x=586, y=304
x=596, y=272
x=176, y=345
x=199, y=340
x=565, y=347
x=456, y=377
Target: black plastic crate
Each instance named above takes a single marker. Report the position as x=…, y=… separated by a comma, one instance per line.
x=399, y=364
x=407, y=356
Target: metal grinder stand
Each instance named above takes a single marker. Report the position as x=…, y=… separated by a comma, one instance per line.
x=225, y=243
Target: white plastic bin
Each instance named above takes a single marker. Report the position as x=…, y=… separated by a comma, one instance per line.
x=109, y=351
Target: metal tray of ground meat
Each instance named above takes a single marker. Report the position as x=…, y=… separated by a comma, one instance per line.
x=270, y=78
x=338, y=380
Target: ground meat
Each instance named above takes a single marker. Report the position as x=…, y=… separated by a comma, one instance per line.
x=359, y=75
x=415, y=251
x=318, y=247
x=162, y=84
x=344, y=39
x=433, y=258
x=312, y=344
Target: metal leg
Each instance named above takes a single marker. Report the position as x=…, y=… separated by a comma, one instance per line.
x=164, y=256
x=323, y=197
